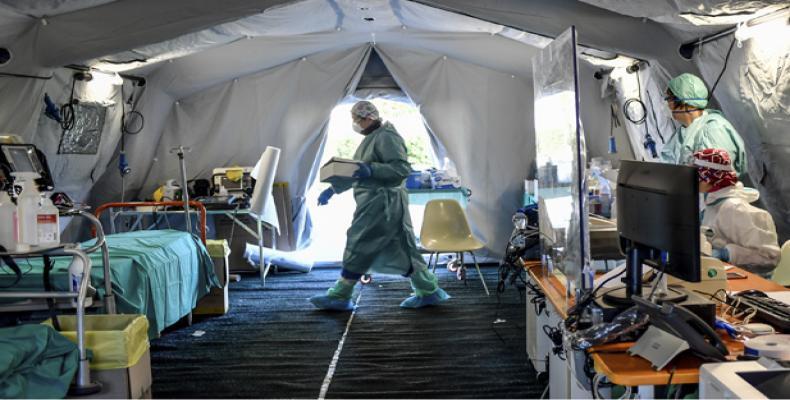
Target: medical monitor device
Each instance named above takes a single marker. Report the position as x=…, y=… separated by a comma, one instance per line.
x=224, y=185
x=24, y=158
x=658, y=222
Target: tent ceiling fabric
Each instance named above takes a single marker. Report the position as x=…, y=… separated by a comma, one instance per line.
x=125, y=24
x=692, y=16
x=598, y=28
x=348, y=21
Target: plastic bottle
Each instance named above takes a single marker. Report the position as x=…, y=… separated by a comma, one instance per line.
x=48, y=224
x=27, y=205
x=75, y=274
x=8, y=230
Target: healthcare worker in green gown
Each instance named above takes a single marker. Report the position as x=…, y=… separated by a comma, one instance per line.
x=701, y=128
x=380, y=238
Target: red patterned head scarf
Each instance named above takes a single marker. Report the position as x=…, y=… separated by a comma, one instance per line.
x=714, y=167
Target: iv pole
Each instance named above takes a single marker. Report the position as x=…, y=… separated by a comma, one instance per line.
x=179, y=151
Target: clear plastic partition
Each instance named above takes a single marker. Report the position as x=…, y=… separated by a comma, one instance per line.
x=561, y=160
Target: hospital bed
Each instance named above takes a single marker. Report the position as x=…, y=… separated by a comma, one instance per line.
x=161, y=274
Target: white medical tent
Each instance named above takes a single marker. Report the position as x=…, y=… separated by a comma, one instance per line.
x=228, y=78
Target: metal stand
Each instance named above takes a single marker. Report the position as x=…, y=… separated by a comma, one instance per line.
x=179, y=151
x=264, y=266
x=83, y=384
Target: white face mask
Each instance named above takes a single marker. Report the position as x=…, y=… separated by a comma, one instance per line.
x=356, y=127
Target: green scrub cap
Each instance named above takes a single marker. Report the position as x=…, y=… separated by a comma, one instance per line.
x=689, y=89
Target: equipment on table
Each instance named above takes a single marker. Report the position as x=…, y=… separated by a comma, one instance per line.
x=23, y=158
x=762, y=379
x=224, y=202
x=713, y=277
x=658, y=221
x=523, y=244
x=676, y=322
x=774, y=312
x=232, y=181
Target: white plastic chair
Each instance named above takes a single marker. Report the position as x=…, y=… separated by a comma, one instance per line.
x=445, y=229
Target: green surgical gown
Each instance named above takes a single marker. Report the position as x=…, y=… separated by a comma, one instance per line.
x=381, y=238
x=710, y=131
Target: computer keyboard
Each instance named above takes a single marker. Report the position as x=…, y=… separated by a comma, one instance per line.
x=771, y=311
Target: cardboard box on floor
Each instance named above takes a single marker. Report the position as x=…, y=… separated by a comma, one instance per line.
x=124, y=383
x=216, y=302
x=121, y=357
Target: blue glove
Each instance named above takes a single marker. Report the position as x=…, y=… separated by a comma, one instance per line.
x=364, y=171
x=324, y=197
x=721, y=254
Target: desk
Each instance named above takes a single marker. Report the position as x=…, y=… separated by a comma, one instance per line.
x=623, y=369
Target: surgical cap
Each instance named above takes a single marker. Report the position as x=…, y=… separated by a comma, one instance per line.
x=689, y=89
x=365, y=109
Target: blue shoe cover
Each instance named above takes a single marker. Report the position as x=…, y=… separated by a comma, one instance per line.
x=435, y=298
x=326, y=302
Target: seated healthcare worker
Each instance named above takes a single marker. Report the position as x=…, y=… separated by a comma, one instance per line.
x=380, y=238
x=700, y=128
x=743, y=234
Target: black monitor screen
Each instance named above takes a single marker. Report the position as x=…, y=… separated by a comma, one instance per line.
x=658, y=208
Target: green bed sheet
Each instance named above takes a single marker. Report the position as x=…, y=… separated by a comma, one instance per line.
x=36, y=362
x=160, y=274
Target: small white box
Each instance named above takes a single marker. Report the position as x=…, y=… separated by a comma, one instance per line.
x=338, y=169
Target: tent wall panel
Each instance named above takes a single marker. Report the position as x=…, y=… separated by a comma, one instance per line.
x=484, y=120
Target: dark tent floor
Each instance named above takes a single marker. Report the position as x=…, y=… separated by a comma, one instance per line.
x=274, y=344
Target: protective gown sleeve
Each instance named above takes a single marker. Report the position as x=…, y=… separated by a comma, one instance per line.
x=717, y=133
x=393, y=165
x=342, y=185
x=751, y=233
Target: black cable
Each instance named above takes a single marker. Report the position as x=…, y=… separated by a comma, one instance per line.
x=655, y=119
x=724, y=67
x=627, y=104
x=13, y=75
x=126, y=117
x=669, y=382
x=68, y=116
x=606, y=281
x=655, y=285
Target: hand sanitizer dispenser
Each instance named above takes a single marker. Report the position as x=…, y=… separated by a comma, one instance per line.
x=8, y=231
x=27, y=206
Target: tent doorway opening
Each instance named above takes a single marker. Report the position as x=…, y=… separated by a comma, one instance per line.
x=330, y=222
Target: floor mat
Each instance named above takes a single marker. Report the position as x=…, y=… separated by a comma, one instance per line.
x=273, y=344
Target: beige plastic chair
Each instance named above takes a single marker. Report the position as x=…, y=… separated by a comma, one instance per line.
x=445, y=229
x=782, y=271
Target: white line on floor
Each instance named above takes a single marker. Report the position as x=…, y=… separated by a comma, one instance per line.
x=333, y=365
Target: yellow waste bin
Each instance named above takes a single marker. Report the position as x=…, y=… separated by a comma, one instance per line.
x=216, y=302
x=119, y=346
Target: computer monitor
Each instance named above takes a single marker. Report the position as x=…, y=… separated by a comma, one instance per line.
x=15, y=157
x=658, y=222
